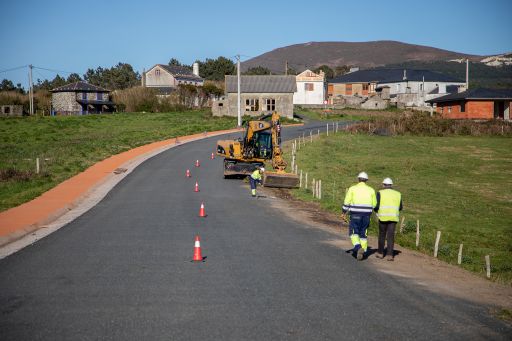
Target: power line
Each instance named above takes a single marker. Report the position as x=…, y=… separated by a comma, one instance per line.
x=14, y=68
x=53, y=70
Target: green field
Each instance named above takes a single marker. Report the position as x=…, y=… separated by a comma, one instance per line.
x=461, y=186
x=343, y=114
x=67, y=145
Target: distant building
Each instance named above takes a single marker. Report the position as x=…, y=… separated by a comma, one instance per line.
x=166, y=78
x=81, y=98
x=11, y=110
x=310, y=88
x=402, y=83
x=478, y=103
x=259, y=94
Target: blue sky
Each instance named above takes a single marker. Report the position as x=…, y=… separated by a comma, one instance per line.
x=74, y=36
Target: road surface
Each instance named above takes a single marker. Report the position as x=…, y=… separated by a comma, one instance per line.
x=123, y=271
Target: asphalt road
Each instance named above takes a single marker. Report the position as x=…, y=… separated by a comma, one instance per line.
x=123, y=271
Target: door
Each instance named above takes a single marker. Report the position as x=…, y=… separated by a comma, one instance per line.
x=499, y=110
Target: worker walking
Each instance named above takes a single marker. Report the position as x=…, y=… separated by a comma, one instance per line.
x=255, y=178
x=389, y=204
x=359, y=203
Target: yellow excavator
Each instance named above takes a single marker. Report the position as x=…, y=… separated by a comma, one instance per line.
x=261, y=143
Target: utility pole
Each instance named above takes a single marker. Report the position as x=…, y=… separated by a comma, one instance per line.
x=286, y=68
x=467, y=73
x=238, y=91
x=31, y=90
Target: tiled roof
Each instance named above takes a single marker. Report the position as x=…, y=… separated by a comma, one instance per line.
x=79, y=86
x=477, y=93
x=180, y=72
x=392, y=76
x=255, y=84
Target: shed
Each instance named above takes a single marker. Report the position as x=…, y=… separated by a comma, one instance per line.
x=81, y=98
x=258, y=94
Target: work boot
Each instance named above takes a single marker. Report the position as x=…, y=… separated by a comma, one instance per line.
x=360, y=254
x=390, y=258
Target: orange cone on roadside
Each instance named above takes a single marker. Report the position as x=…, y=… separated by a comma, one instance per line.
x=202, y=212
x=212, y=157
x=196, y=188
x=197, y=250
x=197, y=163
x=188, y=173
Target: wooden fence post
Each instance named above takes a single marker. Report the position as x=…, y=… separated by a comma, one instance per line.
x=436, y=246
x=327, y=129
x=37, y=165
x=417, y=233
x=488, y=265
x=311, y=136
x=320, y=189
x=318, y=132
x=306, y=182
x=313, y=187
x=459, y=257
x=402, y=225
x=300, y=179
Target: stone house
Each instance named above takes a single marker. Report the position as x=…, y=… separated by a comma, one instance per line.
x=11, y=110
x=478, y=103
x=310, y=88
x=81, y=98
x=258, y=95
x=166, y=78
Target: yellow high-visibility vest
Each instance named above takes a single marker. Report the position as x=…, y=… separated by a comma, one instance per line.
x=389, y=206
x=256, y=175
x=360, y=198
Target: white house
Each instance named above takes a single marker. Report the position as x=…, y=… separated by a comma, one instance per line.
x=310, y=88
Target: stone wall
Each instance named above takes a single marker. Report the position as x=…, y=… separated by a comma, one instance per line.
x=228, y=105
x=11, y=110
x=65, y=103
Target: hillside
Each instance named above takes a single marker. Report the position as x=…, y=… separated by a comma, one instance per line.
x=361, y=54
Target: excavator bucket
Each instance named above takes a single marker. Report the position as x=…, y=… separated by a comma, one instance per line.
x=280, y=180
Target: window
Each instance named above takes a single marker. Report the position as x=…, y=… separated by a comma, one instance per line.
x=449, y=109
x=462, y=106
x=270, y=104
x=309, y=86
x=157, y=72
x=7, y=110
x=252, y=104
x=99, y=96
x=365, y=87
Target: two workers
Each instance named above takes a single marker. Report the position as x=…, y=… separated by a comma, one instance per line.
x=360, y=201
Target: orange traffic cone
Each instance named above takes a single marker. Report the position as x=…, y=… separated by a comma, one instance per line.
x=197, y=250
x=202, y=212
x=212, y=157
x=197, y=163
x=196, y=188
x=188, y=173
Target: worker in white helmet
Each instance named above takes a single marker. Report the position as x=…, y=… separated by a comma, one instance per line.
x=359, y=203
x=389, y=204
x=255, y=178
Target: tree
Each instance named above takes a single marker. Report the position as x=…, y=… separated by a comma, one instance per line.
x=329, y=73
x=292, y=71
x=74, y=77
x=341, y=70
x=174, y=62
x=258, y=70
x=121, y=76
x=216, y=69
x=7, y=85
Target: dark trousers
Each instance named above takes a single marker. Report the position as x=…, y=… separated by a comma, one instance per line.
x=387, y=231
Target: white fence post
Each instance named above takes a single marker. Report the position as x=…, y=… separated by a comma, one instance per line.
x=436, y=246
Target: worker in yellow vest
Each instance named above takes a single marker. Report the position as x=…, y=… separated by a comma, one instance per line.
x=389, y=204
x=359, y=203
x=255, y=178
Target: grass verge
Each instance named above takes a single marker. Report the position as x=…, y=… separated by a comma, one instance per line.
x=344, y=114
x=460, y=185
x=67, y=145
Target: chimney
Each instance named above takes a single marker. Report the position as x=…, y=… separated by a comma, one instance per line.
x=195, y=69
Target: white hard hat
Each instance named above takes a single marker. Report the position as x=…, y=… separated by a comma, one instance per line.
x=387, y=181
x=262, y=169
x=362, y=175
